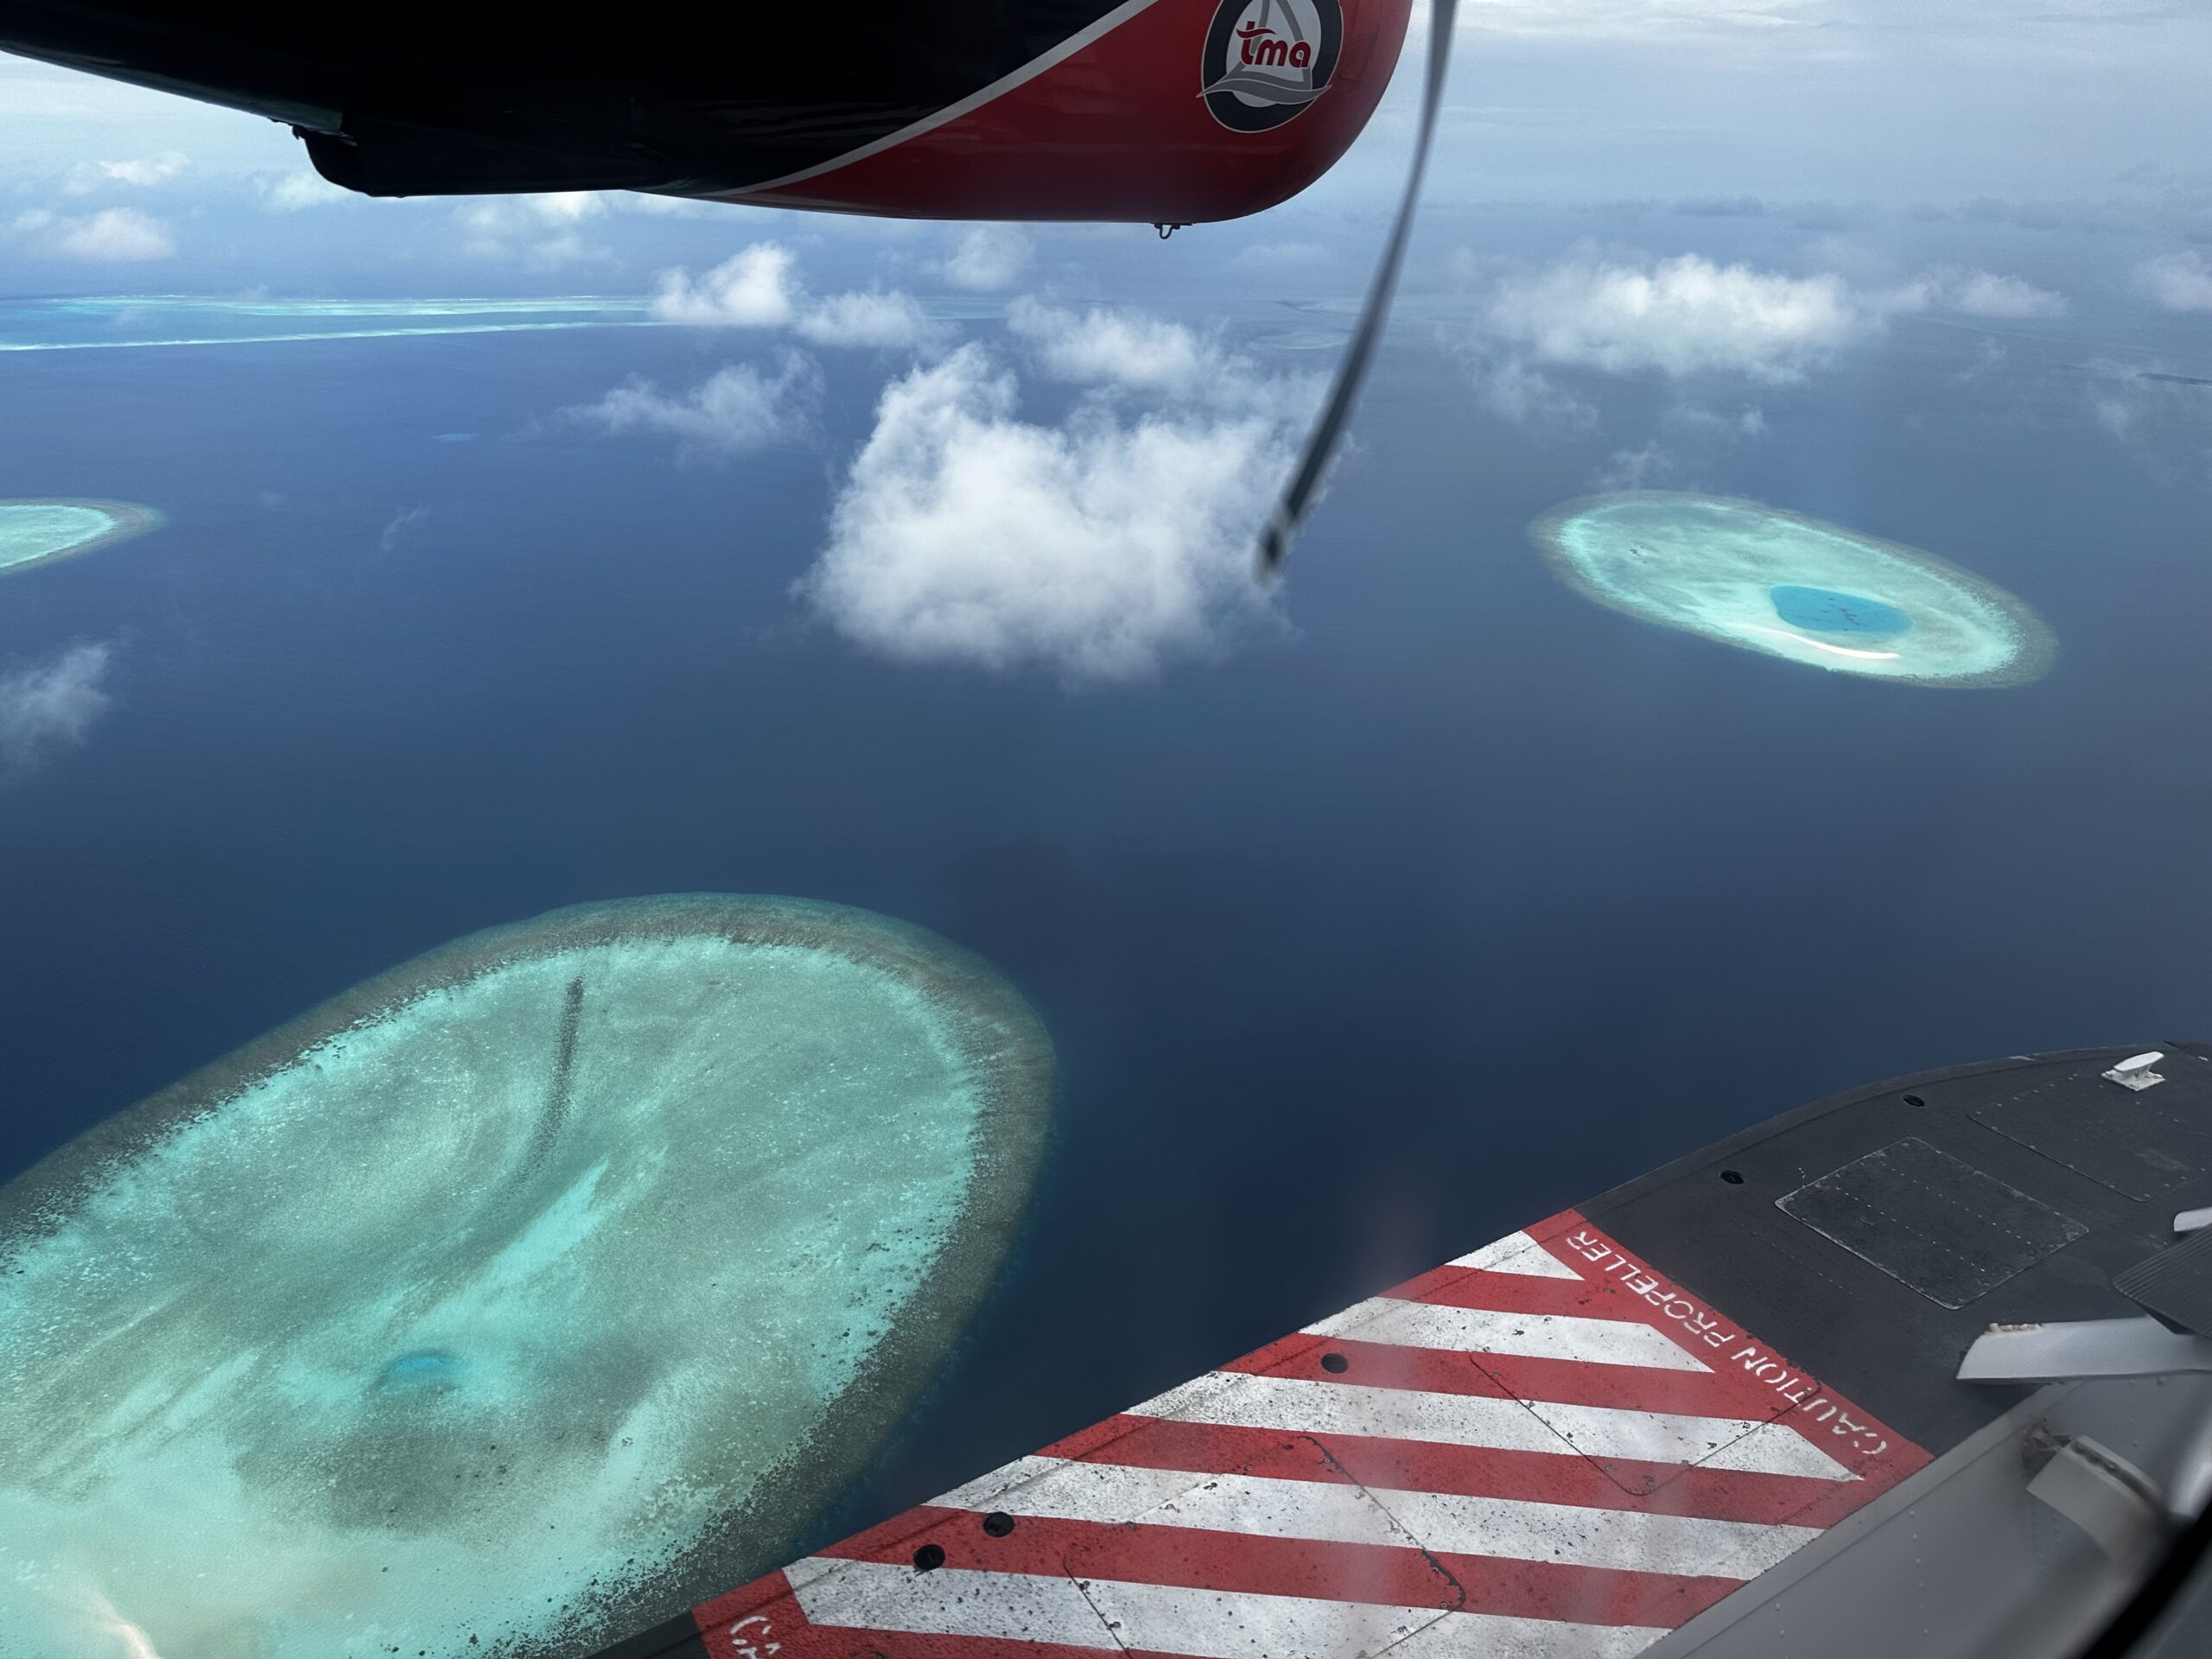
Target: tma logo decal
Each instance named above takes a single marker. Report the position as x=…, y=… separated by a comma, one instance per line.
x=1266, y=60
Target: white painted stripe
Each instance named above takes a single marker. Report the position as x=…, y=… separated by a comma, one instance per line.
x=1014, y=1606
x=1628, y=1541
x=1516, y=1253
x=1060, y=1490
x=1108, y=1614
x=1299, y=1406
x=1028, y=72
x=1479, y=1635
x=1764, y=1445
x=1002, y=1486
x=1486, y=1331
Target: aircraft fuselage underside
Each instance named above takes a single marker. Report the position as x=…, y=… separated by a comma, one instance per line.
x=1159, y=111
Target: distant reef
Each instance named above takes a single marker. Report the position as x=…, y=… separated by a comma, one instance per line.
x=38, y=532
x=1787, y=585
x=517, y=1298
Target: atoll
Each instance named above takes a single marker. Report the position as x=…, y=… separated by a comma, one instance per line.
x=35, y=532
x=1788, y=586
x=512, y=1301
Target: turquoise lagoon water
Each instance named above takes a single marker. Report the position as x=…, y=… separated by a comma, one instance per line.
x=33, y=532
x=1825, y=611
x=55, y=324
x=1818, y=594
x=649, y=1216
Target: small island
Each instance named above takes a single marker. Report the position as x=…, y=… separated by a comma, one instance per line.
x=515, y=1300
x=39, y=532
x=1815, y=594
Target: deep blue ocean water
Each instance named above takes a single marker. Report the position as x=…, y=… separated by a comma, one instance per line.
x=1460, y=902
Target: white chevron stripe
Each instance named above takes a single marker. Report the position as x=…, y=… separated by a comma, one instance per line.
x=1516, y=1253
x=1630, y=1540
x=1300, y=1407
x=1486, y=1331
x=1627, y=1540
x=1014, y=1606
x=1109, y=1614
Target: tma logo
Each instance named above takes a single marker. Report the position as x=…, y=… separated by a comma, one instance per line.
x=1266, y=60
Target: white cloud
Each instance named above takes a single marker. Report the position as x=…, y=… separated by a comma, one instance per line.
x=566, y=206
x=1977, y=294
x=288, y=192
x=1983, y=294
x=2179, y=281
x=118, y=235
x=543, y=232
x=144, y=172
x=881, y=319
x=640, y=201
x=1100, y=549
x=2155, y=407
x=1529, y=397
x=566, y=249
x=1711, y=426
x=1989, y=358
x=1685, y=315
x=734, y=410
x=1690, y=438
x=1689, y=315
x=755, y=288
x=1634, y=19
x=760, y=288
x=1643, y=467
x=989, y=257
x=402, y=526
x=2115, y=411
x=52, y=705
x=1099, y=346
x=1284, y=256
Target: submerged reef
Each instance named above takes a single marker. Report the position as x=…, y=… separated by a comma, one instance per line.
x=1816, y=593
x=516, y=1299
x=114, y=322
x=32, y=532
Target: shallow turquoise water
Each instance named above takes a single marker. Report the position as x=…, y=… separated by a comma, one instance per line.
x=599, y=1236
x=1783, y=585
x=30, y=531
x=107, y=322
x=1825, y=610
x=189, y=320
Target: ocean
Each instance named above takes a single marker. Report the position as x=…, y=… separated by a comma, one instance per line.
x=1452, y=901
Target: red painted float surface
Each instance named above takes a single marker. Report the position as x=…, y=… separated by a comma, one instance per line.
x=1546, y=1449
x=1116, y=129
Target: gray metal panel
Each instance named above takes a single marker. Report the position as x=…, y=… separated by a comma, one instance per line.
x=2175, y=1284
x=1710, y=1221
x=1931, y=1221
x=2185, y=1629
x=1960, y=1562
x=2138, y=1144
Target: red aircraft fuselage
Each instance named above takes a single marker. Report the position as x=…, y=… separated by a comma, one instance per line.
x=1154, y=111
